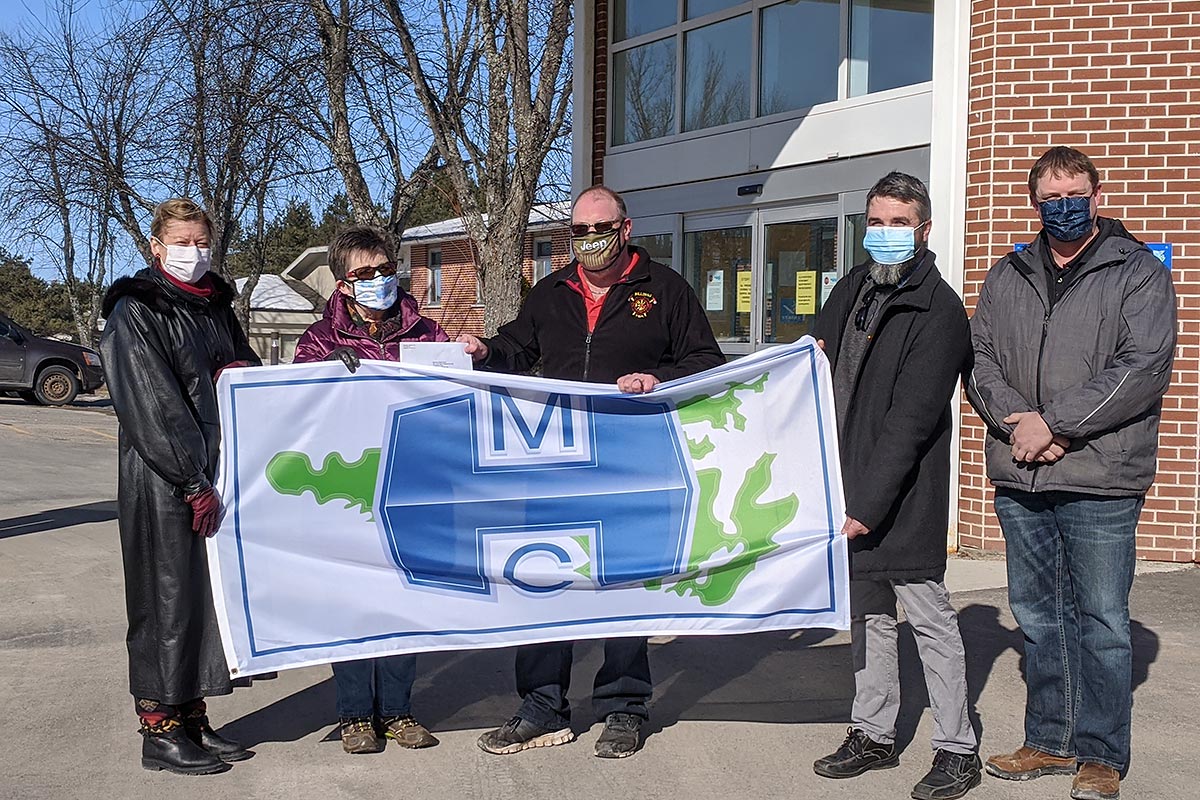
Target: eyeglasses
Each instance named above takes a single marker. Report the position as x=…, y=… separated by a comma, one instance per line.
x=387, y=270
x=604, y=226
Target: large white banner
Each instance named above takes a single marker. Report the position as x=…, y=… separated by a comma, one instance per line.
x=404, y=509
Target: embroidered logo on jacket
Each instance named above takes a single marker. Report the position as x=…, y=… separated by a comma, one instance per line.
x=640, y=304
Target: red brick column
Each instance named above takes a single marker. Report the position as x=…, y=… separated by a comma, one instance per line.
x=599, y=91
x=1121, y=82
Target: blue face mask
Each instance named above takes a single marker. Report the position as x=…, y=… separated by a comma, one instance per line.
x=888, y=245
x=377, y=294
x=1067, y=219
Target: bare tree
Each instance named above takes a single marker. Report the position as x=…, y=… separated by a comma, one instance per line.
x=494, y=82
x=65, y=98
x=231, y=116
x=360, y=114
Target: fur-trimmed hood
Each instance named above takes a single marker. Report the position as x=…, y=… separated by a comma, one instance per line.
x=150, y=288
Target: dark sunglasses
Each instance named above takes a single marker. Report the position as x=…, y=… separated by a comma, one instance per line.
x=862, y=318
x=582, y=229
x=366, y=273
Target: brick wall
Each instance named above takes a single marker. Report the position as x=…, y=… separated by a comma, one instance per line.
x=1120, y=81
x=599, y=92
x=459, y=310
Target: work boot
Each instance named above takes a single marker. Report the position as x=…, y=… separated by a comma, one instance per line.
x=166, y=746
x=520, y=734
x=1096, y=782
x=952, y=776
x=407, y=732
x=200, y=731
x=358, y=736
x=620, y=737
x=858, y=754
x=1028, y=763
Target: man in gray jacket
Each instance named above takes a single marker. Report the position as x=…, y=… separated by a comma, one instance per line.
x=1073, y=340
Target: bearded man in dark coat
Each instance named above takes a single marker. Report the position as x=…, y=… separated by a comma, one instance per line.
x=170, y=330
x=897, y=339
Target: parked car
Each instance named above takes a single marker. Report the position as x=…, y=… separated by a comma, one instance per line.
x=43, y=370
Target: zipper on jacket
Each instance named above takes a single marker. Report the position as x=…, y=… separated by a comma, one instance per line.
x=587, y=354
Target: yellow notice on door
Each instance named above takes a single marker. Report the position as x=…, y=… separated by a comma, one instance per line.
x=806, y=292
x=744, y=292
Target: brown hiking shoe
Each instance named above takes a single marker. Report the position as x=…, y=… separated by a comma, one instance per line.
x=1027, y=764
x=1096, y=782
x=358, y=736
x=407, y=732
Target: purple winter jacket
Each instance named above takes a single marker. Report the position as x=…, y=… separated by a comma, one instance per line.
x=337, y=329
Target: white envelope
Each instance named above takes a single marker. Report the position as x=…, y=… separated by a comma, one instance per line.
x=435, y=354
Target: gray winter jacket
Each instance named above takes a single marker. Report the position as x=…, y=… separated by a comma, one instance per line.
x=1096, y=366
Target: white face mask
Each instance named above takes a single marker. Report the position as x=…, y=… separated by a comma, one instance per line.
x=186, y=263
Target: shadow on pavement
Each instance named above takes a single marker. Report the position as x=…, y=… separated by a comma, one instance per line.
x=54, y=519
x=986, y=639
x=774, y=677
x=769, y=677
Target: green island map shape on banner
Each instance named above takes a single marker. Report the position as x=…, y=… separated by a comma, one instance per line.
x=755, y=524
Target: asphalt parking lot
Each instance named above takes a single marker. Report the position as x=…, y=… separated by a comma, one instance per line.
x=732, y=716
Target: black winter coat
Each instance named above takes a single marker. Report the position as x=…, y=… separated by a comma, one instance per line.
x=651, y=322
x=895, y=443
x=161, y=348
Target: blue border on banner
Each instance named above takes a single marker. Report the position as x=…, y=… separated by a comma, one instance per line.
x=256, y=652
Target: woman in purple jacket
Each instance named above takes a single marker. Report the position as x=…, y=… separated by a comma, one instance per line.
x=368, y=316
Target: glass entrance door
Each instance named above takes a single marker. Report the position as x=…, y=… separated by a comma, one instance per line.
x=718, y=263
x=800, y=268
x=762, y=276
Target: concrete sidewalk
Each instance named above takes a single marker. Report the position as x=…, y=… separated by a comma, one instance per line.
x=736, y=716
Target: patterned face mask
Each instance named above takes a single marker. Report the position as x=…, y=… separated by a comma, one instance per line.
x=378, y=294
x=596, y=251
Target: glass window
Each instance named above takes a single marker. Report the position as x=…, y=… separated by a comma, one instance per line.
x=644, y=83
x=716, y=83
x=435, y=277
x=856, y=229
x=635, y=17
x=800, y=268
x=891, y=44
x=543, y=263
x=658, y=245
x=798, y=59
x=698, y=8
x=718, y=268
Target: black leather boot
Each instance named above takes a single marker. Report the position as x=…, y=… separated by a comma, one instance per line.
x=200, y=731
x=167, y=746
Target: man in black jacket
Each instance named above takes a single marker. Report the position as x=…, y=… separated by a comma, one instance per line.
x=169, y=331
x=1074, y=338
x=897, y=338
x=611, y=315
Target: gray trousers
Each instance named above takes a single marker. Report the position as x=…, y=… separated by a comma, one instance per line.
x=874, y=648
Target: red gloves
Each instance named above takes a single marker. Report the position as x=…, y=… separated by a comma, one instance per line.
x=206, y=511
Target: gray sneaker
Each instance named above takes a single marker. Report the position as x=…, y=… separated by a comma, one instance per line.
x=621, y=736
x=520, y=734
x=358, y=736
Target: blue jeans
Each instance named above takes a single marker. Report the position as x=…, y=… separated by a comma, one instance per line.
x=375, y=687
x=1070, y=569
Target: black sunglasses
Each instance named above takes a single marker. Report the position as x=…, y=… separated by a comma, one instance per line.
x=862, y=318
x=366, y=273
x=604, y=226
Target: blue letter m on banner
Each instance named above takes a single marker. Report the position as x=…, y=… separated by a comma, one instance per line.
x=459, y=470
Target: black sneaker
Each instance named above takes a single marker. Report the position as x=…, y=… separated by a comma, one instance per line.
x=620, y=737
x=858, y=754
x=953, y=775
x=520, y=734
